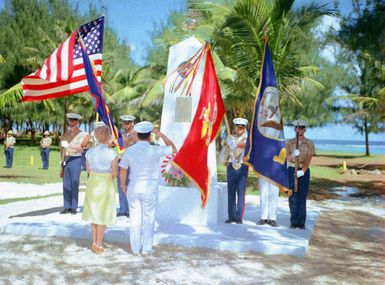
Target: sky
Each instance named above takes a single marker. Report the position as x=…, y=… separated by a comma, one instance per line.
x=135, y=20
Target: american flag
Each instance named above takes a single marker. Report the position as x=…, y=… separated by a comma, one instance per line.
x=63, y=73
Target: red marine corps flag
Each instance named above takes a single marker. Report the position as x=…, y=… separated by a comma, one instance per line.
x=192, y=157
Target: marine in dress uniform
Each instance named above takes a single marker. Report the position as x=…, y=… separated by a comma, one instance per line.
x=237, y=171
x=9, y=149
x=143, y=160
x=305, y=152
x=72, y=143
x=45, y=144
x=129, y=138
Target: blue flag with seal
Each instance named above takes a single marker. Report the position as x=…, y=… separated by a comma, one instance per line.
x=265, y=147
x=98, y=100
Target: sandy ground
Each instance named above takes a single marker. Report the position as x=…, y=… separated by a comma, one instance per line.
x=347, y=247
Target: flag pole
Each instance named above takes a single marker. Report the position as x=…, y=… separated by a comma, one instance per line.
x=227, y=125
x=62, y=162
x=296, y=165
x=265, y=34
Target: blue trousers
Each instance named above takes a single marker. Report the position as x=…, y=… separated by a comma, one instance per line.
x=297, y=201
x=71, y=182
x=236, y=190
x=9, y=157
x=123, y=204
x=45, y=157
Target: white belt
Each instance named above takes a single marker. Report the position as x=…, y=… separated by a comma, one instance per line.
x=73, y=154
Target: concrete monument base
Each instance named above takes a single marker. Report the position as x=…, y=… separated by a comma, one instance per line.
x=182, y=205
x=41, y=218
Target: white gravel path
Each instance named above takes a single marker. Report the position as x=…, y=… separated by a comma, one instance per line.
x=347, y=248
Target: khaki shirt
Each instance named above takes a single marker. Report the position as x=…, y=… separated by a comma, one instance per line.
x=46, y=142
x=129, y=138
x=74, y=140
x=305, y=147
x=10, y=141
x=236, y=154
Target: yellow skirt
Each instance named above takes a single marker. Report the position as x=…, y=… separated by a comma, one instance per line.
x=99, y=203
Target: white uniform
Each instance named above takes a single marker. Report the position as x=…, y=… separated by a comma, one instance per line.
x=268, y=199
x=142, y=193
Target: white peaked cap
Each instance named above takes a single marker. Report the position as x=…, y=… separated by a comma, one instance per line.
x=127, y=118
x=73, y=116
x=240, y=121
x=143, y=127
x=300, y=123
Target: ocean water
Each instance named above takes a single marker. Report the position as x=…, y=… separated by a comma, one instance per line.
x=375, y=147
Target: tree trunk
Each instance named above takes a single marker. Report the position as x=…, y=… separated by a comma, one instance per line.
x=366, y=137
x=8, y=125
x=32, y=130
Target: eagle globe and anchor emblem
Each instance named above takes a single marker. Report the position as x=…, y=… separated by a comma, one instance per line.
x=270, y=120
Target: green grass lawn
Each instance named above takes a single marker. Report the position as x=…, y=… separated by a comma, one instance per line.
x=380, y=158
x=24, y=171
x=27, y=167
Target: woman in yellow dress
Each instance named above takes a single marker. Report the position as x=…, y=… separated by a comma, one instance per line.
x=99, y=203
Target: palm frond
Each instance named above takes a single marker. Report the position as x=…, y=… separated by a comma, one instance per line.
x=369, y=103
x=309, y=70
x=125, y=94
x=12, y=96
x=313, y=83
x=154, y=94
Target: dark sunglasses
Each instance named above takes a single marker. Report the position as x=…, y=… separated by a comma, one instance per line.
x=240, y=126
x=300, y=127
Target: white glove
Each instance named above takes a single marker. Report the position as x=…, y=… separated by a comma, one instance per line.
x=300, y=173
x=296, y=152
x=64, y=144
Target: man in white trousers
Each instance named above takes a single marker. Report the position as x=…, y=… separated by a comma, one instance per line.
x=143, y=160
x=268, y=193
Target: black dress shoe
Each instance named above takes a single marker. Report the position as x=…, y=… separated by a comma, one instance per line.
x=73, y=212
x=229, y=221
x=293, y=226
x=239, y=221
x=121, y=214
x=302, y=227
x=262, y=222
x=66, y=211
x=273, y=223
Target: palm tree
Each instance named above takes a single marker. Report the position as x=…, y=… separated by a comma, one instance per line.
x=136, y=91
x=239, y=43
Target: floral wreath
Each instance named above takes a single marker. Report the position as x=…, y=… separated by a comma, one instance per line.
x=172, y=174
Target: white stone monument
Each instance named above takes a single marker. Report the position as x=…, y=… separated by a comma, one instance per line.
x=182, y=204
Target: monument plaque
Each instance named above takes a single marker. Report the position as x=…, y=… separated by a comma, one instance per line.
x=183, y=109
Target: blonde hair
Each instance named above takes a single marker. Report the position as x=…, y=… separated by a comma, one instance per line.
x=102, y=133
